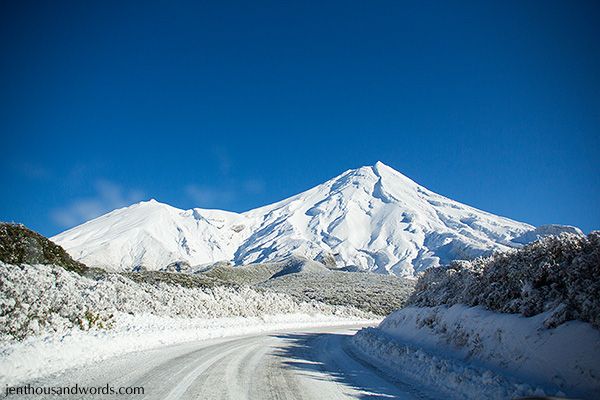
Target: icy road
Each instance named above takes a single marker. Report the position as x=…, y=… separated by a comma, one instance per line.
x=305, y=364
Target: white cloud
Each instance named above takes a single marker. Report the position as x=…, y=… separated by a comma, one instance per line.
x=205, y=196
x=108, y=197
x=222, y=196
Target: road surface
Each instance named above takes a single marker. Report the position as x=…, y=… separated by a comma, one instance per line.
x=305, y=364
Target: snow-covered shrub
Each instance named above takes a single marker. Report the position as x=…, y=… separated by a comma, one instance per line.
x=307, y=280
x=41, y=299
x=557, y=273
x=376, y=293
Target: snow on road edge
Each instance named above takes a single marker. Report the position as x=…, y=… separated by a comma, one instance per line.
x=442, y=376
x=471, y=353
x=37, y=357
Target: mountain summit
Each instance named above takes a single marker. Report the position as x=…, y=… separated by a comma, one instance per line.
x=373, y=218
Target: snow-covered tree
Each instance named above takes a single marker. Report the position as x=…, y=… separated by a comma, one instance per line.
x=560, y=274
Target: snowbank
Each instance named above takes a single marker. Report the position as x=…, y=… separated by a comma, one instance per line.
x=523, y=322
x=40, y=356
x=471, y=353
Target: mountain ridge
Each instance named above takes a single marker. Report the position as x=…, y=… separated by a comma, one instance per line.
x=373, y=218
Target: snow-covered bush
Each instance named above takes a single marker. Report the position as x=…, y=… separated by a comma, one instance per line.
x=376, y=293
x=307, y=280
x=42, y=299
x=557, y=273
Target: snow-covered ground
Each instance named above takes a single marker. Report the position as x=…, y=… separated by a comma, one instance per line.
x=372, y=218
x=52, y=319
x=514, y=324
x=40, y=356
x=306, y=363
x=520, y=323
x=471, y=353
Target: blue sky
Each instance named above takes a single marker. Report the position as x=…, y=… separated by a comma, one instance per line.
x=234, y=105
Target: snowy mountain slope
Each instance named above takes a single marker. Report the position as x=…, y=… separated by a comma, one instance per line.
x=371, y=217
x=378, y=219
x=153, y=235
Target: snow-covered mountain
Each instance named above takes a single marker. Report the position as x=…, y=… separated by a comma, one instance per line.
x=372, y=217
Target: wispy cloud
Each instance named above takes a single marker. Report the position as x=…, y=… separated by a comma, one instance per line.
x=229, y=191
x=108, y=196
x=223, y=196
x=206, y=196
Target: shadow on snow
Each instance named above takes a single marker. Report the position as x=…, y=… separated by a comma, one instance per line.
x=302, y=353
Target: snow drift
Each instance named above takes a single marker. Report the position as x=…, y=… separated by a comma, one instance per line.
x=514, y=324
x=471, y=353
x=371, y=218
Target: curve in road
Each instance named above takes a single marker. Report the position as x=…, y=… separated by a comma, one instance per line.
x=303, y=365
